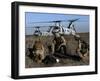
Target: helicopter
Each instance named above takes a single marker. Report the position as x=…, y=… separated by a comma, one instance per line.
x=57, y=27
x=64, y=30
x=37, y=32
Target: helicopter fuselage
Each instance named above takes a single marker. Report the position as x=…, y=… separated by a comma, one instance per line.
x=68, y=31
x=61, y=30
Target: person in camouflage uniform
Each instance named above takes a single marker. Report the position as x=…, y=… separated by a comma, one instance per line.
x=83, y=48
x=59, y=44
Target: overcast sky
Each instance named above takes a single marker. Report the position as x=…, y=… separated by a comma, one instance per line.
x=82, y=25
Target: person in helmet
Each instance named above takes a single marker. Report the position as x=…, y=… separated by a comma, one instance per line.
x=58, y=44
x=83, y=48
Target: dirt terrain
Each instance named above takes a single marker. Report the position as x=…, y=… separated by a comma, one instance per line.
x=71, y=46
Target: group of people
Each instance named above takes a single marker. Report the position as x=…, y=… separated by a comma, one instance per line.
x=58, y=47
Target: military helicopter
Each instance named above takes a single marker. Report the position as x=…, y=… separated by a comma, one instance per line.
x=57, y=27
x=37, y=32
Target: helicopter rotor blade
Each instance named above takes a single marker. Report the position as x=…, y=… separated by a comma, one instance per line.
x=39, y=26
x=73, y=20
x=55, y=21
x=58, y=21
x=42, y=22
